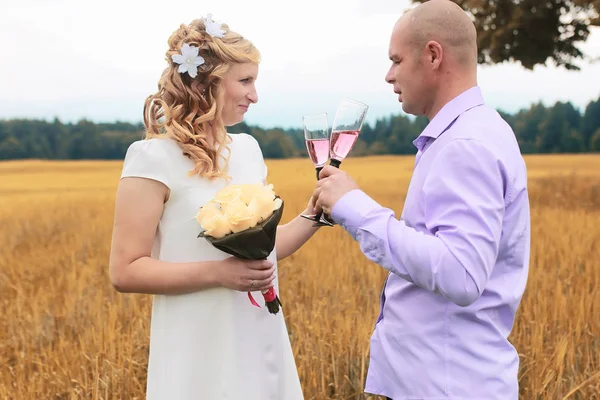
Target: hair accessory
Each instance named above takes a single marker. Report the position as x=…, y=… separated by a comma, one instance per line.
x=188, y=60
x=213, y=28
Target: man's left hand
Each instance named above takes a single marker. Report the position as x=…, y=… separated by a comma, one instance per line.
x=333, y=184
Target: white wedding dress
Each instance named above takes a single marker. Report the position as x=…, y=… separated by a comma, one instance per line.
x=212, y=344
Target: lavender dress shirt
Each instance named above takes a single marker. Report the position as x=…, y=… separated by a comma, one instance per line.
x=458, y=259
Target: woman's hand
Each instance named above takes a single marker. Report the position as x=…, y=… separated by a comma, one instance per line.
x=246, y=275
x=310, y=207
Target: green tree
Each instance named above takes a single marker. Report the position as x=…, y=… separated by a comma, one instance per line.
x=532, y=31
x=556, y=130
x=403, y=133
x=11, y=148
x=590, y=121
x=595, y=141
x=526, y=127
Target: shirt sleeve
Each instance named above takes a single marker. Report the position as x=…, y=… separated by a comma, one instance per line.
x=463, y=208
x=146, y=159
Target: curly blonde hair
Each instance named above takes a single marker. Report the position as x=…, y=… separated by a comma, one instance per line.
x=187, y=109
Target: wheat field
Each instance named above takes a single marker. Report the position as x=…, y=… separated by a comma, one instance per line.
x=65, y=333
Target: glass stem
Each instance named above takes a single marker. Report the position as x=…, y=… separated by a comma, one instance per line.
x=318, y=171
x=336, y=164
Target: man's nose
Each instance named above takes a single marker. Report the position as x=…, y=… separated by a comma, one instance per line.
x=389, y=77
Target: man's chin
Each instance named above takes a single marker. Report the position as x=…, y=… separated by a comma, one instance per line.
x=406, y=108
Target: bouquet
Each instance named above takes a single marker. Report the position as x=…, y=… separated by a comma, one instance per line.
x=242, y=220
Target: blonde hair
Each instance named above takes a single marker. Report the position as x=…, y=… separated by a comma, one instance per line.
x=187, y=109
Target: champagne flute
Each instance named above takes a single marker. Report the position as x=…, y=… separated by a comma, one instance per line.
x=316, y=136
x=347, y=123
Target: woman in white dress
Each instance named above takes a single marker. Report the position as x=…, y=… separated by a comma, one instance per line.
x=207, y=341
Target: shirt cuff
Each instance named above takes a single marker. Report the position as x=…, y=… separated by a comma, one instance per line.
x=351, y=209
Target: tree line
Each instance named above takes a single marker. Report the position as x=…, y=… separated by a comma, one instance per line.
x=560, y=128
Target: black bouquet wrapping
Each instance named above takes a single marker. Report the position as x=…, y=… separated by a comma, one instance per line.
x=254, y=243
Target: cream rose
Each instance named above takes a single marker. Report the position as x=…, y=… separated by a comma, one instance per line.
x=248, y=191
x=205, y=209
x=239, y=216
x=269, y=189
x=262, y=205
x=236, y=208
x=228, y=194
x=215, y=223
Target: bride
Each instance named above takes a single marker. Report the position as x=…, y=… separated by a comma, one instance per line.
x=206, y=341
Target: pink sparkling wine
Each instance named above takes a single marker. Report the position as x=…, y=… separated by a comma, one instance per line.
x=341, y=143
x=318, y=151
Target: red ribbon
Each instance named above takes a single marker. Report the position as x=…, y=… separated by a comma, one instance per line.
x=252, y=300
x=269, y=296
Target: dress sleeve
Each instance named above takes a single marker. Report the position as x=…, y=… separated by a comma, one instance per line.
x=147, y=159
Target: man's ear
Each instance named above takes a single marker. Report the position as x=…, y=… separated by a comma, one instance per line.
x=435, y=53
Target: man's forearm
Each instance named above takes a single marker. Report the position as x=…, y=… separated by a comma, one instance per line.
x=420, y=258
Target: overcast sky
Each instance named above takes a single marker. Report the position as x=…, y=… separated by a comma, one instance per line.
x=99, y=60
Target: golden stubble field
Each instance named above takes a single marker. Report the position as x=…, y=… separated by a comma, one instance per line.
x=65, y=333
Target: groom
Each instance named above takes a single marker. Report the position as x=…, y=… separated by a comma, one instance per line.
x=458, y=256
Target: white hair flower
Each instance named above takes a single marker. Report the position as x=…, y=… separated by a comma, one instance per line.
x=213, y=28
x=188, y=60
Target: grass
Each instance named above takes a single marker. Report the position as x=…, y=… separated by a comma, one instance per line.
x=65, y=333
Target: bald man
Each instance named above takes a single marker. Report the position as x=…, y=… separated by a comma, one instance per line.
x=458, y=256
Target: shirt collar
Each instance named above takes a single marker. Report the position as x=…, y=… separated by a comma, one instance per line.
x=448, y=114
